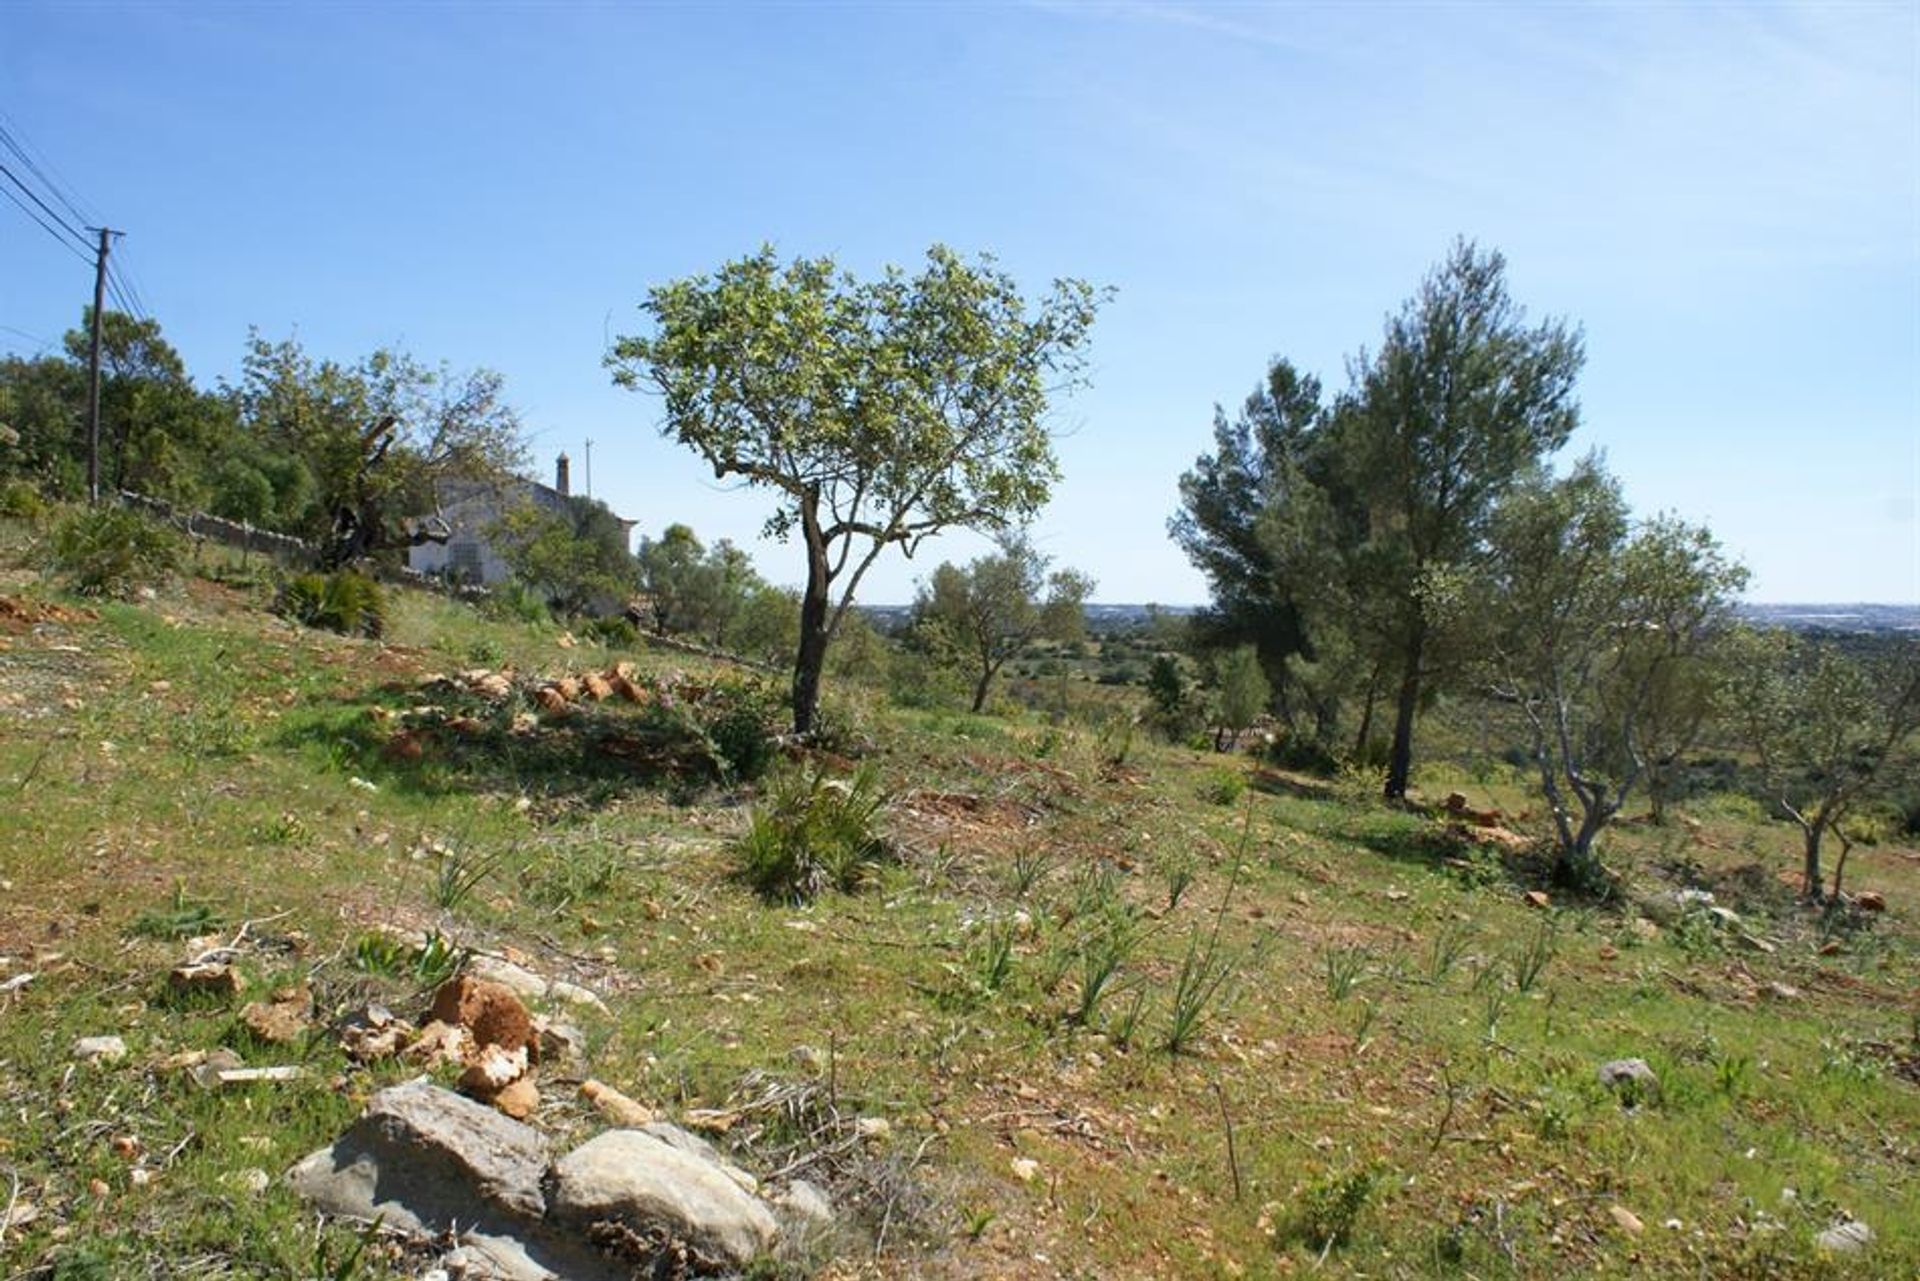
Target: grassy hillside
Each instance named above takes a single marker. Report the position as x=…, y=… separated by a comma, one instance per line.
x=1387, y=1053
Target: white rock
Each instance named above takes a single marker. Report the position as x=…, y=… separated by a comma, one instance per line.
x=103, y=1049
x=1845, y=1238
x=805, y=1202
x=633, y=1177
x=574, y=994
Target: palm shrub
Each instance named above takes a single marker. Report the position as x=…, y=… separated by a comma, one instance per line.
x=812, y=833
x=344, y=601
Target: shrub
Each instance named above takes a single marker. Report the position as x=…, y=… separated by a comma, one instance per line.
x=1224, y=786
x=19, y=500
x=1328, y=1208
x=109, y=551
x=345, y=601
x=812, y=833
x=613, y=631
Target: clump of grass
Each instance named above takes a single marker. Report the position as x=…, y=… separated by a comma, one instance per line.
x=1445, y=950
x=813, y=833
x=1103, y=949
x=459, y=870
x=1030, y=863
x=1180, y=871
x=1345, y=968
x=1530, y=960
x=993, y=959
x=1204, y=970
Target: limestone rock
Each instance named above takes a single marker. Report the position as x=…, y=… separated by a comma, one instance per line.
x=99, y=1049
x=635, y=1179
x=692, y=1144
x=615, y=1106
x=1845, y=1238
x=1632, y=1079
x=425, y=1161
x=803, y=1202
x=211, y=977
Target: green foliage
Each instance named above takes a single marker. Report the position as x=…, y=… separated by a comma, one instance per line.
x=345, y=601
x=575, y=557
x=811, y=833
x=1327, y=1210
x=879, y=413
x=1175, y=708
x=20, y=500
x=1595, y=630
x=1832, y=730
x=1244, y=692
x=388, y=955
x=985, y=613
x=110, y=551
x=180, y=918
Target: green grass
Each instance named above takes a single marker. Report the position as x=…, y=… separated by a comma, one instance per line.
x=1405, y=1051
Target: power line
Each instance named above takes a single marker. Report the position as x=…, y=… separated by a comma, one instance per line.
x=44, y=225
x=13, y=144
x=48, y=209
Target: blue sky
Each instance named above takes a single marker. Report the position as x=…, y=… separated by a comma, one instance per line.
x=1726, y=198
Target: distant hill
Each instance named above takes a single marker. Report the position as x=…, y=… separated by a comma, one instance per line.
x=1835, y=618
x=1845, y=617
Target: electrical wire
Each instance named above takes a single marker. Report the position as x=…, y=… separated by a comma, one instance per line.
x=13, y=143
x=45, y=226
x=44, y=206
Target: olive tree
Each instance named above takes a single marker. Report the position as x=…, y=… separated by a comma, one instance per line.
x=1585, y=617
x=879, y=412
x=1828, y=727
x=994, y=607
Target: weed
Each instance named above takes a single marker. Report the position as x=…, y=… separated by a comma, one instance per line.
x=1530, y=960
x=284, y=829
x=1445, y=950
x=812, y=833
x=1732, y=1074
x=1030, y=863
x=569, y=879
x=181, y=918
x=430, y=964
x=1179, y=871
x=1344, y=969
x=1124, y=1027
x=1363, y=1025
x=459, y=870
x=1494, y=1003
x=1103, y=949
x=993, y=960
x=1204, y=971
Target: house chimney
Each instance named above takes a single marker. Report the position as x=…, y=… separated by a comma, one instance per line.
x=561, y=480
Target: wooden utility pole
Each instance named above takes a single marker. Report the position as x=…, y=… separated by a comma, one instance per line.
x=93, y=364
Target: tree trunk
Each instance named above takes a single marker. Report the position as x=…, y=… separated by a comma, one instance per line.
x=980, y=690
x=1400, y=762
x=1811, y=888
x=815, y=606
x=1366, y=715
x=1840, y=864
